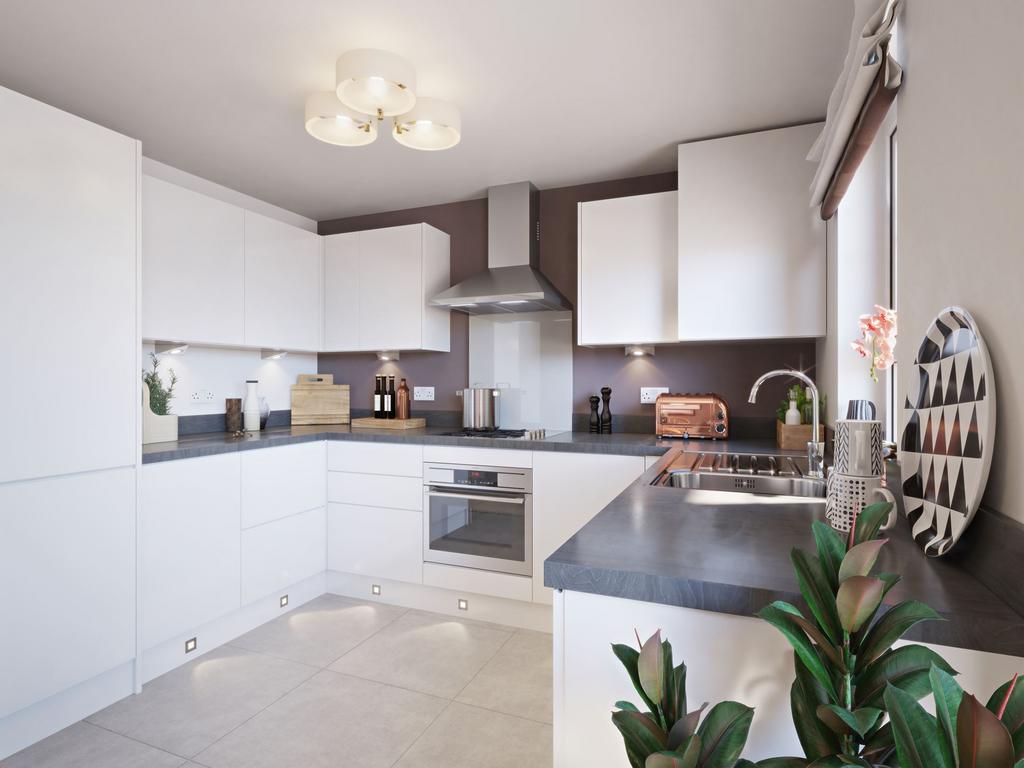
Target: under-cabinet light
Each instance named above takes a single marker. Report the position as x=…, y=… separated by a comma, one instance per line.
x=190, y=645
x=387, y=355
x=640, y=350
x=169, y=347
x=272, y=354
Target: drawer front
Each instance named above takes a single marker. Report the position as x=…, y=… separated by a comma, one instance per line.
x=465, y=580
x=370, y=541
x=278, y=482
x=488, y=457
x=375, y=458
x=283, y=552
x=375, y=490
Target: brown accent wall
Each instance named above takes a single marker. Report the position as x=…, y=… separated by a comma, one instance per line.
x=727, y=368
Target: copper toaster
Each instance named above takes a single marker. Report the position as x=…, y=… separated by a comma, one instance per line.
x=704, y=415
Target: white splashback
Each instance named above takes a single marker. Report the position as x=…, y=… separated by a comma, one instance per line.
x=223, y=371
x=529, y=357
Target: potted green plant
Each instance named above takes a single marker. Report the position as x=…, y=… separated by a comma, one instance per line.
x=158, y=423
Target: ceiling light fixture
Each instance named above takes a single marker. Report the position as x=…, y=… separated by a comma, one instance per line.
x=373, y=84
x=331, y=121
x=431, y=125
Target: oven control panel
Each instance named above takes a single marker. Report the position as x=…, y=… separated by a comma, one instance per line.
x=463, y=475
x=476, y=477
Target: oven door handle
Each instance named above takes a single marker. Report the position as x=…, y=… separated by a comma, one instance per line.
x=473, y=497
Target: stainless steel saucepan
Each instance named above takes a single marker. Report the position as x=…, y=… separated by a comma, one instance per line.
x=479, y=407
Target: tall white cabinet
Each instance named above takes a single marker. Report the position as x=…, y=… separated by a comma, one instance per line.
x=69, y=450
x=627, y=256
x=751, y=248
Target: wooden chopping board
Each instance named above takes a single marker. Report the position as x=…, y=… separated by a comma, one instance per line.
x=372, y=423
x=316, y=399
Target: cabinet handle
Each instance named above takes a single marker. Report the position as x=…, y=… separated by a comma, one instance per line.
x=471, y=497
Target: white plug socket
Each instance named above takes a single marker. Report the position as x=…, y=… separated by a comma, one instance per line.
x=648, y=395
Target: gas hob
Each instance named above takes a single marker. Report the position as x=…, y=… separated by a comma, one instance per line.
x=505, y=434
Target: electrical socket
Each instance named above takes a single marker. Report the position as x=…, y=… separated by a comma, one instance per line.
x=649, y=394
x=423, y=393
x=202, y=396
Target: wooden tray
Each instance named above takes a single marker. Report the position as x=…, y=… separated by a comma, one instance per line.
x=372, y=423
x=795, y=437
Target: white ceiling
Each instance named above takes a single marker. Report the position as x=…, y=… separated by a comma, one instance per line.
x=556, y=91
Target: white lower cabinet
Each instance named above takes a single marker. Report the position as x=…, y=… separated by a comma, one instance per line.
x=191, y=522
x=376, y=490
x=282, y=552
x=375, y=541
x=568, y=490
x=282, y=481
x=67, y=560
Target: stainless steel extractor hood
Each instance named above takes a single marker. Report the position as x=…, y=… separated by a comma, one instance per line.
x=511, y=282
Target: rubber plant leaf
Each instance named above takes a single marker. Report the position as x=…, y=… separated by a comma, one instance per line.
x=783, y=621
x=981, y=738
x=1013, y=713
x=668, y=694
x=640, y=734
x=630, y=658
x=870, y=520
x=906, y=668
x=651, y=667
x=685, y=757
x=626, y=705
x=947, y=694
x=857, y=600
x=860, y=560
x=919, y=742
x=723, y=734
x=817, y=594
x=879, y=745
x=685, y=727
x=805, y=696
x=780, y=762
x=814, y=633
x=831, y=550
x=842, y=721
x=891, y=626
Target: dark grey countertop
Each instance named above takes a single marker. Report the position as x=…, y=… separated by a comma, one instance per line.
x=728, y=554
x=629, y=444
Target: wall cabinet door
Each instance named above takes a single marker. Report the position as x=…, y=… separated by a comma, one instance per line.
x=68, y=298
x=568, y=490
x=278, y=554
x=751, y=249
x=282, y=481
x=193, y=261
x=67, y=558
x=282, y=285
x=341, y=292
x=627, y=256
x=191, y=554
x=391, y=288
x=374, y=541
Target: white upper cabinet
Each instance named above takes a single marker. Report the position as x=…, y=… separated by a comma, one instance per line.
x=627, y=256
x=282, y=285
x=341, y=291
x=68, y=296
x=751, y=248
x=378, y=285
x=193, y=262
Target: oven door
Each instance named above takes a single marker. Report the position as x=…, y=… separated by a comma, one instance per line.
x=478, y=528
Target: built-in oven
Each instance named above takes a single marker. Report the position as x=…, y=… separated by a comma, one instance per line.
x=478, y=517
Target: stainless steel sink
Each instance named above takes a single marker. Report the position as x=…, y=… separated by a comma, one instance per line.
x=742, y=473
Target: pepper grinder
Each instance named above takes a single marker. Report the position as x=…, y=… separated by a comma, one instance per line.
x=595, y=420
x=606, y=413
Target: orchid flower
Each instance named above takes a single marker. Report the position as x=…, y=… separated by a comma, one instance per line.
x=878, y=339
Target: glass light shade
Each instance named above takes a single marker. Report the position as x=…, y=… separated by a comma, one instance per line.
x=329, y=120
x=376, y=82
x=431, y=125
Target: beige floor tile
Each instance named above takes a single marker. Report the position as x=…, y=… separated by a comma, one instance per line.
x=84, y=745
x=468, y=737
x=320, y=631
x=425, y=652
x=517, y=681
x=330, y=721
x=187, y=709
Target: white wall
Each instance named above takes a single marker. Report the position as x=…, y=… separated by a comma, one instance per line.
x=960, y=166
x=529, y=357
x=858, y=278
x=223, y=372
